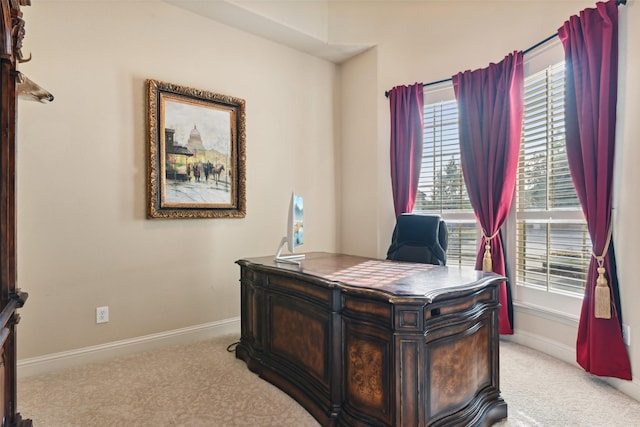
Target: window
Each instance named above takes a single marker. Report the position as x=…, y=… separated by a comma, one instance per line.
x=441, y=187
x=547, y=239
x=553, y=248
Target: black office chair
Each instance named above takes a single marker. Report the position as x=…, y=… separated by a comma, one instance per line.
x=419, y=238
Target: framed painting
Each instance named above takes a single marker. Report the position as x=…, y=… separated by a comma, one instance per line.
x=196, y=165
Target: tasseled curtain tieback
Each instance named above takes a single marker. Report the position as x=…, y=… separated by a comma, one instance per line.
x=602, y=295
x=487, y=263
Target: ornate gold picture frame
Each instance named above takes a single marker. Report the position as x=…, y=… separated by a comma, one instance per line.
x=196, y=148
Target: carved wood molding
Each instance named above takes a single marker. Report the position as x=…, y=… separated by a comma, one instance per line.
x=18, y=32
x=12, y=32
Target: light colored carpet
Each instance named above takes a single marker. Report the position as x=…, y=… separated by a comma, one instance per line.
x=203, y=385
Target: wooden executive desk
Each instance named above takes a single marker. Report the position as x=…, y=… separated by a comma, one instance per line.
x=365, y=342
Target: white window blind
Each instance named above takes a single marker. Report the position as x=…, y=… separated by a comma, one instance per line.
x=441, y=187
x=552, y=243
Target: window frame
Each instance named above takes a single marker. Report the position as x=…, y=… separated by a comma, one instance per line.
x=564, y=304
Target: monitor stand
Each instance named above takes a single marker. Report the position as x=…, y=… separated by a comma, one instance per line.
x=290, y=259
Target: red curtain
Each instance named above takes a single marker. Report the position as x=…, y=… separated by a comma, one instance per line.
x=591, y=53
x=491, y=106
x=407, y=125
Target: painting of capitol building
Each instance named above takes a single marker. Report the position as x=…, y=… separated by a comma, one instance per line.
x=197, y=154
x=194, y=162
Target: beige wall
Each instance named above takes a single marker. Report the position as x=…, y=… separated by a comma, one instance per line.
x=83, y=238
x=359, y=181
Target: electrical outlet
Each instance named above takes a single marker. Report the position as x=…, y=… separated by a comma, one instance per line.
x=626, y=334
x=102, y=314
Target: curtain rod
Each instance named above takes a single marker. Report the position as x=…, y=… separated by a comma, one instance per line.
x=524, y=52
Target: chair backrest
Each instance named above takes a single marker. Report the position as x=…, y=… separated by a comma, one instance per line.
x=419, y=238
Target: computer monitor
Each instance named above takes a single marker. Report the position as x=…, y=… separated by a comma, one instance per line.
x=295, y=231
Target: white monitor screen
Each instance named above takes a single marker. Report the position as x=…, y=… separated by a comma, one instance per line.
x=297, y=216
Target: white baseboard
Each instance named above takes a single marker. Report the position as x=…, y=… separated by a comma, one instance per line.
x=544, y=345
x=568, y=355
x=97, y=353
x=630, y=388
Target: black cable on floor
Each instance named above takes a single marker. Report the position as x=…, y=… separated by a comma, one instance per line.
x=232, y=347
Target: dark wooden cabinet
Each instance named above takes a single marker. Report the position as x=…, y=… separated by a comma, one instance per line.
x=364, y=342
x=11, y=298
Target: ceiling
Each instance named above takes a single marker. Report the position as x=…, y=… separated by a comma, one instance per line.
x=241, y=16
